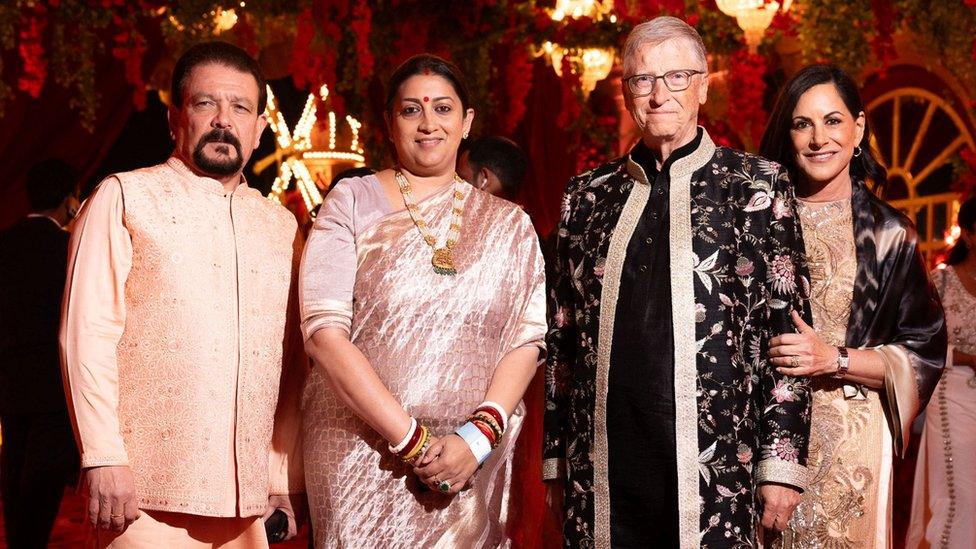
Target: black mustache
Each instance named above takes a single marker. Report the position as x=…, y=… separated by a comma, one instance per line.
x=220, y=136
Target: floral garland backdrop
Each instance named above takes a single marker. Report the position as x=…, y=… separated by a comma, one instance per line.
x=349, y=44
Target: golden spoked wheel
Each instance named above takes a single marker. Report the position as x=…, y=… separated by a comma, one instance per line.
x=920, y=132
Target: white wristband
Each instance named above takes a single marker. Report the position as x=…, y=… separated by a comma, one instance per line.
x=403, y=443
x=498, y=408
x=476, y=440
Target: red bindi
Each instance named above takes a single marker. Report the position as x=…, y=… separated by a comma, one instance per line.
x=426, y=99
x=426, y=72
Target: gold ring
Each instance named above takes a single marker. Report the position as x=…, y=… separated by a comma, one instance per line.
x=117, y=516
x=795, y=361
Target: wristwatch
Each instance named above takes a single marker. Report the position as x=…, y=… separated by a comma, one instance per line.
x=843, y=362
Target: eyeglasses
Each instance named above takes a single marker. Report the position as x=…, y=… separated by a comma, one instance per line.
x=643, y=84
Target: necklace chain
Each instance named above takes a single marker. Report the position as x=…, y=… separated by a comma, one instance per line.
x=443, y=258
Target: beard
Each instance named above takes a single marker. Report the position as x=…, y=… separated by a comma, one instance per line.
x=222, y=165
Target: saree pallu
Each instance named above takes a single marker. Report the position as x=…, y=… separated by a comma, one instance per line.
x=434, y=341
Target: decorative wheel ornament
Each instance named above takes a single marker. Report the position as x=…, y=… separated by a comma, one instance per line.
x=313, y=153
x=916, y=134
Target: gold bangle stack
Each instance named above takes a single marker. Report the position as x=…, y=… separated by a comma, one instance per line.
x=419, y=448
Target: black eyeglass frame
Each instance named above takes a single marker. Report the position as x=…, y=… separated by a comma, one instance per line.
x=664, y=78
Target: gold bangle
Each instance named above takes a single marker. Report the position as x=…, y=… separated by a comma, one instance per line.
x=420, y=446
x=423, y=450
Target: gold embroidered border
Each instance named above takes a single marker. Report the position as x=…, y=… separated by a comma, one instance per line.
x=901, y=392
x=782, y=472
x=608, y=309
x=553, y=468
x=686, y=369
x=685, y=349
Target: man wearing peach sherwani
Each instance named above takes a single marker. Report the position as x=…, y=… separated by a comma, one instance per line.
x=176, y=338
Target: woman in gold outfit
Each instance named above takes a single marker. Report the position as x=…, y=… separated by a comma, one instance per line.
x=878, y=341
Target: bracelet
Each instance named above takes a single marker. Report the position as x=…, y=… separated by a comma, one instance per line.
x=501, y=417
x=418, y=449
x=476, y=441
x=484, y=428
x=406, y=439
x=488, y=420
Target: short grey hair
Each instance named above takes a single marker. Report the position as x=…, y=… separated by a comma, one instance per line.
x=657, y=31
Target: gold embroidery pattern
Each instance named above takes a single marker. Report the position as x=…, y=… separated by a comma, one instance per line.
x=839, y=507
x=685, y=348
x=613, y=267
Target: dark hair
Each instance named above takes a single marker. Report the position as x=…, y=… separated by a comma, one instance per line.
x=503, y=157
x=216, y=53
x=422, y=64
x=361, y=171
x=776, y=144
x=49, y=182
x=966, y=220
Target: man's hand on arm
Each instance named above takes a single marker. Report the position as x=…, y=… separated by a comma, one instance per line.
x=112, y=503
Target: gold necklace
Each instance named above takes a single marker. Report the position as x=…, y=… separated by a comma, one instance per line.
x=443, y=258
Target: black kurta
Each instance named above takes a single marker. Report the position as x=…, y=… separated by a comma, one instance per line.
x=640, y=400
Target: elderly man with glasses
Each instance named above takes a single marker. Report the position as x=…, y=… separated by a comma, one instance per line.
x=666, y=424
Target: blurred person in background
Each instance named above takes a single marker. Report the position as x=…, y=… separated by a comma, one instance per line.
x=944, y=497
x=38, y=456
x=495, y=165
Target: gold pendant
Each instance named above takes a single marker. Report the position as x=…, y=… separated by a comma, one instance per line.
x=443, y=262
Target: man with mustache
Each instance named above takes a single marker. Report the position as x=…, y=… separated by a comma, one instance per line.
x=666, y=425
x=178, y=337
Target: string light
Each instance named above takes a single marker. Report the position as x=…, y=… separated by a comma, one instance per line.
x=298, y=159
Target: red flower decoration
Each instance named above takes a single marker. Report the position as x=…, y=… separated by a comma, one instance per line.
x=361, y=23
x=130, y=47
x=31, y=52
x=746, y=91
x=518, y=82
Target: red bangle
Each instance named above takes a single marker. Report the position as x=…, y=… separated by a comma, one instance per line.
x=489, y=420
x=486, y=430
x=493, y=413
x=414, y=438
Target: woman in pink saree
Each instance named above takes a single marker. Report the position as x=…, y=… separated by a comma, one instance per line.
x=423, y=308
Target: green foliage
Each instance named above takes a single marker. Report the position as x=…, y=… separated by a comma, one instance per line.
x=836, y=31
x=946, y=28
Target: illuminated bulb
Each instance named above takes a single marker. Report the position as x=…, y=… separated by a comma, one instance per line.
x=224, y=20
x=591, y=64
x=753, y=16
x=295, y=148
x=332, y=131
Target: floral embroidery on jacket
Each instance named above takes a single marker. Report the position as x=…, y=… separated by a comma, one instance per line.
x=749, y=275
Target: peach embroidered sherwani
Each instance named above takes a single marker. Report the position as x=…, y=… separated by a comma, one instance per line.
x=174, y=339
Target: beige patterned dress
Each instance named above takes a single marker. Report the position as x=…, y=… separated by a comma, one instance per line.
x=847, y=501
